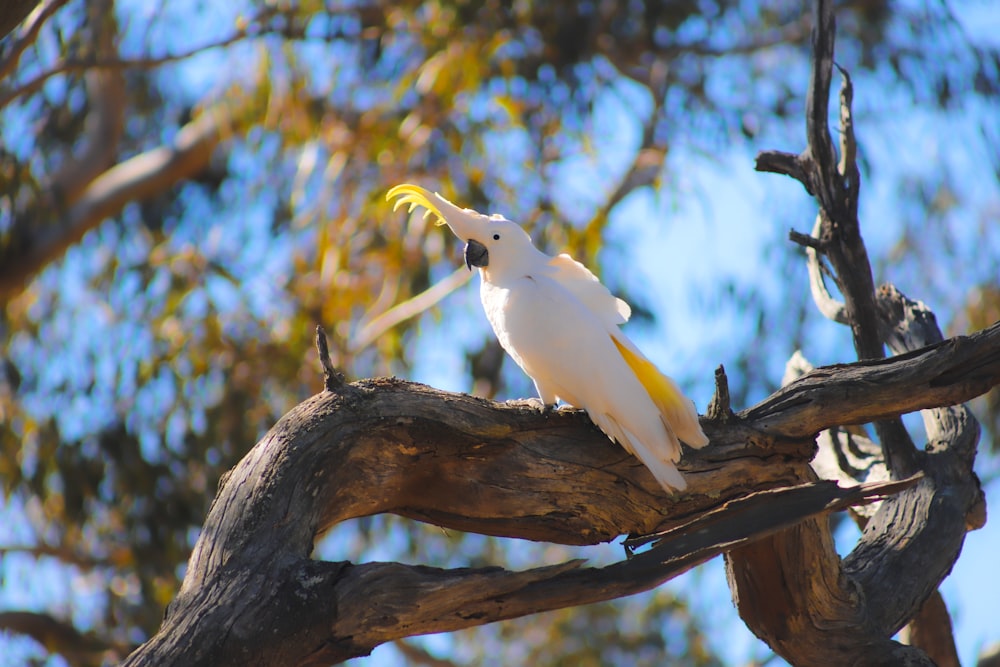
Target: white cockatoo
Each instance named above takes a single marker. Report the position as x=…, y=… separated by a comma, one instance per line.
x=560, y=324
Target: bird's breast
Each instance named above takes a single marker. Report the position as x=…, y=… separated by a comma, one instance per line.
x=498, y=301
x=535, y=309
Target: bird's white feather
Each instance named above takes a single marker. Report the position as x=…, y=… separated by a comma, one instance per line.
x=585, y=286
x=568, y=351
x=677, y=411
x=560, y=324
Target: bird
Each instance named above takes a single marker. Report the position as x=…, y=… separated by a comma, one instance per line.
x=560, y=324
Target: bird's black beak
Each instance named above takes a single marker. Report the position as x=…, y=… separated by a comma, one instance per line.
x=476, y=254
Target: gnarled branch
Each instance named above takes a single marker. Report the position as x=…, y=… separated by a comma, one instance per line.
x=252, y=593
x=792, y=589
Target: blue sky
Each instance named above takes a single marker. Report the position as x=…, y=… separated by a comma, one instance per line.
x=716, y=220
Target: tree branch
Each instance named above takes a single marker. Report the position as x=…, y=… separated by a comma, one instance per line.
x=105, y=118
x=63, y=554
x=830, y=308
x=793, y=585
x=333, y=380
x=786, y=164
x=58, y=636
x=836, y=186
x=134, y=179
x=13, y=15
x=719, y=408
x=252, y=594
x=945, y=373
x=374, y=327
x=112, y=63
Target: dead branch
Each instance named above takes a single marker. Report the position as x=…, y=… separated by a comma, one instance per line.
x=896, y=388
x=792, y=589
x=253, y=595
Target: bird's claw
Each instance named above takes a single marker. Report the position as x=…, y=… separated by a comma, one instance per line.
x=541, y=406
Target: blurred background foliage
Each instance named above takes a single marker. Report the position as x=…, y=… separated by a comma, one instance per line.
x=153, y=332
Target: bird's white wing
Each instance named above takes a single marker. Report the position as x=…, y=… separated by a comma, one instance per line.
x=678, y=412
x=585, y=286
x=568, y=350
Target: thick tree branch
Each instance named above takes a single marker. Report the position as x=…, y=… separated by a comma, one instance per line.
x=793, y=584
x=852, y=458
x=500, y=469
x=379, y=602
x=784, y=585
x=946, y=373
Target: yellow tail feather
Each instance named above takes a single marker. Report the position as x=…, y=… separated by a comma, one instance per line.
x=658, y=387
x=672, y=404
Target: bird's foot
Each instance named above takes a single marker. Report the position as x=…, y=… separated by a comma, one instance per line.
x=540, y=405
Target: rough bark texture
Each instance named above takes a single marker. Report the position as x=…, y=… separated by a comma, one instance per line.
x=252, y=595
x=791, y=588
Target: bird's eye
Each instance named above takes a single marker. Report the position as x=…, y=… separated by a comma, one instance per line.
x=496, y=237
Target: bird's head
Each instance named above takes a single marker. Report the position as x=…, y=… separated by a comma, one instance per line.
x=492, y=242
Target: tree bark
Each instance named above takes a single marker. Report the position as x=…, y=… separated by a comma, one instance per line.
x=792, y=588
x=252, y=595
